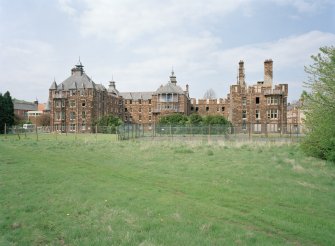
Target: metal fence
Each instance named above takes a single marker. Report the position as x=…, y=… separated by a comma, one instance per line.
x=265, y=133
x=252, y=132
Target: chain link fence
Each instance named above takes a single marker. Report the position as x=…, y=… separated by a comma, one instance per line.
x=251, y=132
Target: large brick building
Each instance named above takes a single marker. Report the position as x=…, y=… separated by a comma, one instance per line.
x=78, y=102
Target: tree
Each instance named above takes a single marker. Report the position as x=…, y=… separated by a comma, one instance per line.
x=195, y=119
x=109, y=120
x=44, y=120
x=173, y=119
x=6, y=111
x=319, y=106
x=210, y=94
x=215, y=120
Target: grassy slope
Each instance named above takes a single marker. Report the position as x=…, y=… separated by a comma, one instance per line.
x=100, y=192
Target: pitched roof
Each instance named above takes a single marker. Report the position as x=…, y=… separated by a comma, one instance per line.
x=170, y=88
x=53, y=86
x=23, y=105
x=78, y=81
x=137, y=95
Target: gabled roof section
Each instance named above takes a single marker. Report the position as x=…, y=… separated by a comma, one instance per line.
x=53, y=86
x=100, y=87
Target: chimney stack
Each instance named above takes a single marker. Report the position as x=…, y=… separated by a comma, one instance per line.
x=268, y=72
x=241, y=75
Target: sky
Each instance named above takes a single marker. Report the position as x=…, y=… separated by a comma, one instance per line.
x=137, y=43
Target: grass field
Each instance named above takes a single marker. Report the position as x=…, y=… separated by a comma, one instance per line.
x=93, y=190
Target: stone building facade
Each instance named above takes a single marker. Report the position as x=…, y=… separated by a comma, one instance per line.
x=78, y=102
x=147, y=107
x=260, y=107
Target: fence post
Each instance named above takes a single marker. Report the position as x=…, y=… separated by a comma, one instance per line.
x=5, y=131
x=36, y=132
x=18, y=134
x=96, y=132
x=249, y=131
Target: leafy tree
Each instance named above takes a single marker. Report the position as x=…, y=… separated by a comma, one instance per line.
x=6, y=111
x=44, y=120
x=319, y=106
x=174, y=119
x=215, y=120
x=195, y=119
x=109, y=120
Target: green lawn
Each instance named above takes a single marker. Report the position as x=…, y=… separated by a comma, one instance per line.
x=93, y=190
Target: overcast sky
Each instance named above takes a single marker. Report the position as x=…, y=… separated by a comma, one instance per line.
x=137, y=42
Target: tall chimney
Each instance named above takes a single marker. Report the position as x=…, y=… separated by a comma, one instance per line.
x=241, y=75
x=268, y=72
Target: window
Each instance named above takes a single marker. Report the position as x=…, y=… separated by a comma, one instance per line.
x=72, y=115
x=56, y=126
x=272, y=127
x=257, y=127
x=222, y=109
x=125, y=110
x=149, y=109
x=83, y=114
x=57, y=115
x=82, y=93
x=63, y=103
x=72, y=127
x=207, y=109
x=139, y=110
x=244, y=125
x=83, y=126
x=57, y=104
x=63, y=115
x=72, y=103
x=139, y=101
x=140, y=117
x=149, y=117
x=257, y=100
x=196, y=109
x=218, y=109
x=272, y=101
x=130, y=101
x=149, y=101
x=192, y=108
x=244, y=101
x=258, y=115
x=272, y=113
x=244, y=114
x=83, y=103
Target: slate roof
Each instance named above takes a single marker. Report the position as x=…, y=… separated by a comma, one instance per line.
x=78, y=80
x=136, y=95
x=170, y=88
x=23, y=105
